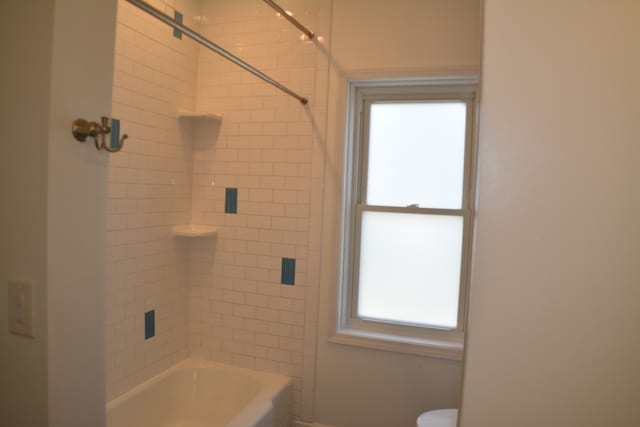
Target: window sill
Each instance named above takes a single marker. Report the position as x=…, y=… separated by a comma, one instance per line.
x=439, y=348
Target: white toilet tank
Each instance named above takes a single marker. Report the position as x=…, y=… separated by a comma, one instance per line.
x=438, y=418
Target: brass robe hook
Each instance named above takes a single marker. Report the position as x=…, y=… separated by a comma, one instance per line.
x=83, y=129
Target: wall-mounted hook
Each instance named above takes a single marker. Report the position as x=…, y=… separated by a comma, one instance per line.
x=116, y=142
x=83, y=129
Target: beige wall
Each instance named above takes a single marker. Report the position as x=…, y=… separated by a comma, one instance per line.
x=358, y=387
x=26, y=72
x=54, y=209
x=553, y=330
x=415, y=35
x=82, y=72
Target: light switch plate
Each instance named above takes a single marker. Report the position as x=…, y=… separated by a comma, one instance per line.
x=21, y=310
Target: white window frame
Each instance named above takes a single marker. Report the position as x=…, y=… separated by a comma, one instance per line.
x=351, y=329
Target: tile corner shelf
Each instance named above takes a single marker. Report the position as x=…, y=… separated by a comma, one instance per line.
x=214, y=117
x=194, y=230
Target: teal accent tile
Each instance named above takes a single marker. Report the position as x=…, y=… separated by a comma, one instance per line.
x=115, y=134
x=177, y=16
x=231, y=201
x=149, y=324
x=288, y=275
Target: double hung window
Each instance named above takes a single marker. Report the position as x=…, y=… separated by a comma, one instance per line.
x=407, y=216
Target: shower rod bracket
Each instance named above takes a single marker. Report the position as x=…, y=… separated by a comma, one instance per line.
x=285, y=14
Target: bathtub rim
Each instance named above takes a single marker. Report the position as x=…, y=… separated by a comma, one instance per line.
x=271, y=385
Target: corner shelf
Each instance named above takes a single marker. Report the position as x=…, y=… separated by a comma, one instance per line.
x=193, y=118
x=194, y=230
x=213, y=117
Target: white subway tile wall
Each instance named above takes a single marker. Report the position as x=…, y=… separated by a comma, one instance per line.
x=216, y=298
x=149, y=192
x=240, y=312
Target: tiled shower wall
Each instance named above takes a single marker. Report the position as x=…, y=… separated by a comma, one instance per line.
x=240, y=312
x=149, y=192
x=175, y=171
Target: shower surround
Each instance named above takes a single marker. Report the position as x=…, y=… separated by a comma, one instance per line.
x=218, y=298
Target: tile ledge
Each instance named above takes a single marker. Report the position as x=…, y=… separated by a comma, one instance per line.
x=184, y=114
x=194, y=230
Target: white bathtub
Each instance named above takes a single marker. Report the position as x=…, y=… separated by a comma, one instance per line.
x=196, y=393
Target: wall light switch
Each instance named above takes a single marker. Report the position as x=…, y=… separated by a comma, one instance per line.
x=21, y=310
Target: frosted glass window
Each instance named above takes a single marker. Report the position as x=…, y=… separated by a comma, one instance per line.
x=410, y=268
x=416, y=154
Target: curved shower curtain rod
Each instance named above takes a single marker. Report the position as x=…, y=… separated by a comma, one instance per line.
x=214, y=47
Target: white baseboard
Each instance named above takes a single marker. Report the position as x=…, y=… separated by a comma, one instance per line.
x=299, y=423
